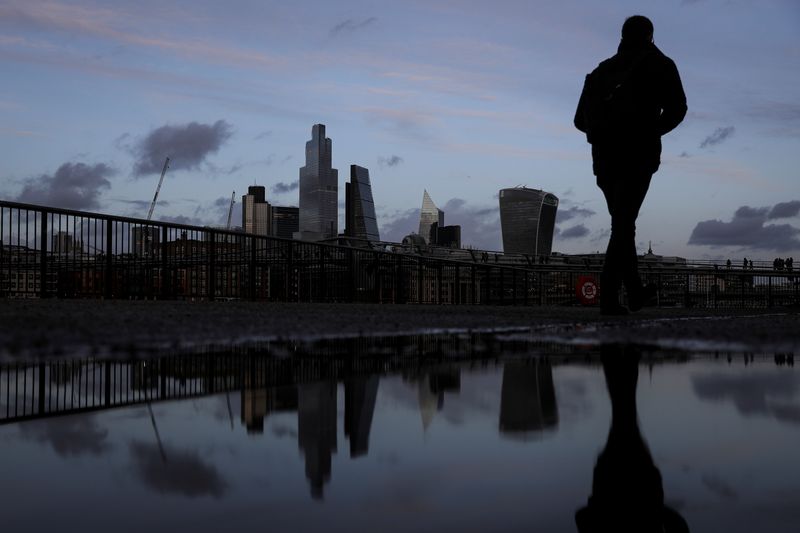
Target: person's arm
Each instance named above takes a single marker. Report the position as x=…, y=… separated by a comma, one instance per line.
x=673, y=101
x=580, y=113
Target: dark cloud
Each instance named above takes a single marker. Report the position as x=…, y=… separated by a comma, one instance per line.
x=187, y=146
x=182, y=473
x=719, y=135
x=574, y=232
x=391, y=161
x=401, y=223
x=756, y=394
x=69, y=436
x=283, y=188
x=562, y=215
x=142, y=204
x=785, y=210
x=748, y=228
x=73, y=186
x=351, y=25
x=182, y=219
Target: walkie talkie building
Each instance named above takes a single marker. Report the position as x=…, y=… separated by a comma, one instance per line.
x=527, y=220
x=319, y=189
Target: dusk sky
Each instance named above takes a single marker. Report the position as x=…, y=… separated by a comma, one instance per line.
x=459, y=97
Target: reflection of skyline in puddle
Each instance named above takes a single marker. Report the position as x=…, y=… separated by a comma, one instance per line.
x=471, y=426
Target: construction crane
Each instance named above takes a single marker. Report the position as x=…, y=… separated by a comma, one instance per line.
x=230, y=210
x=158, y=189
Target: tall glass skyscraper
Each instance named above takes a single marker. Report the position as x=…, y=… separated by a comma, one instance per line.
x=256, y=211
x=527, y=220
x=429, y=215
x=359, y=209
x=319, y=189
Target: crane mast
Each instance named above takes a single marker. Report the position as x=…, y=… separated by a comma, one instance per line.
x=230, y=210
x=158, y=189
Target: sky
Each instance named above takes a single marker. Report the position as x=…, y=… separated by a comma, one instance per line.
x=459, y=97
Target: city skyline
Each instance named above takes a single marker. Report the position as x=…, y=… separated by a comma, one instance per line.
x=463, y=109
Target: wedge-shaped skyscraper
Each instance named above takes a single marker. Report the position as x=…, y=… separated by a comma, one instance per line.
x=319, y=189
x=429, y=215
x=527, y=220
x=360, y=221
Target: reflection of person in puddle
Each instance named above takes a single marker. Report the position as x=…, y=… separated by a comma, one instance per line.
x=627, y=494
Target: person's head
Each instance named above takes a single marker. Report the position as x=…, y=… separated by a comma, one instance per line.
x=637, y=31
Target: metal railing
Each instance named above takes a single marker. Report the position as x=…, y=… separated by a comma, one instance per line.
x=48, y=252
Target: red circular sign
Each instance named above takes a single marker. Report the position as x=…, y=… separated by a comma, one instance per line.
x=587, y=290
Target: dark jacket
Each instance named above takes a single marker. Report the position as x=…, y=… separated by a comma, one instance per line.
x=658, y=105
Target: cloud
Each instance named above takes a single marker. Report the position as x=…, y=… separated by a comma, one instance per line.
x=748, y=228
x=187, y=146
x=401, y=223
x=73, y=186
x=182, y=473
x=351, y=25
x=574, y=232
x=283, y=188
x=785, y=210
x=719, y=135
x=69, y=436
x=262, y=135
x=562, y=215
x=391, y=161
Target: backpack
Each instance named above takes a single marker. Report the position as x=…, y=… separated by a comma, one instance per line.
x=609, y=109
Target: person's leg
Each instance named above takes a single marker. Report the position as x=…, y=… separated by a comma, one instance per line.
x=624, y=196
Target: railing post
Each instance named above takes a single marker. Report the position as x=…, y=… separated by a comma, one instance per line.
x=472, y=282
x=351, y=270
x=107, y=383
x=43, y=258
x=457, y=286
x=251, y=279
x=323, y=286
x=289, y=271
x=211, y=280
x=165, y=278
x=769, y=291
x=439, y=284
x=109, y=282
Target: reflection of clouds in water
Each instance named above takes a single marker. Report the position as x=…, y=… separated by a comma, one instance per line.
x=183, y=472
x=754, y=393
x=720, y=487
x=284, y=430
x=69, y=436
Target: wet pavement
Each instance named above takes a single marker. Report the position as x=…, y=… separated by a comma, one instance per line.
x=71, y=328
x=172, y=416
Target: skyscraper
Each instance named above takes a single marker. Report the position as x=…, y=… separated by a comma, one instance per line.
x=428, y=215
x=285, y=221
x=527, y=220
x=319, y=189
x=256, y=211
x=360, y=221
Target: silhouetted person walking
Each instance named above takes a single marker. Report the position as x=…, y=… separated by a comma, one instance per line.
x=628, y=102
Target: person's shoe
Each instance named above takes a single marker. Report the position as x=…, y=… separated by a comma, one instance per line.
x=614, y=310
x=646, y=295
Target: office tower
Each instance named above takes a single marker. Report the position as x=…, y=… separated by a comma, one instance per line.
x=359, y=405
x=257, y=404
x=319, y=189
x=448, y=236
x=145, y=240
x=285, y=221
x=527, y=220
x=360, y=221
x=316, y=431
x=256, y=211
x=429, y=215
x=527, y=399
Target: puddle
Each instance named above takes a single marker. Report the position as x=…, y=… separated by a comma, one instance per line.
x=455, y=432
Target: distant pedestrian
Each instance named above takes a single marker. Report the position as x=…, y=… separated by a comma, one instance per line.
x=628, y=102
x=751, y=264
x=744, y=264
x=728, y=264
